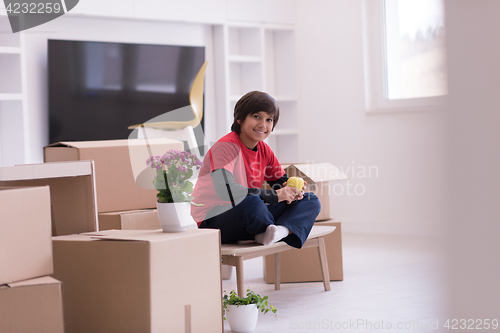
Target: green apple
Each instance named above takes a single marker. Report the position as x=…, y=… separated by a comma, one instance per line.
x=296, y=182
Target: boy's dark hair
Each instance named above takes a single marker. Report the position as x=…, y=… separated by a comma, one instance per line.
x=251, y=103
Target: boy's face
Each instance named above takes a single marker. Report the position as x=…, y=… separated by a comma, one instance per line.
x=255, y=128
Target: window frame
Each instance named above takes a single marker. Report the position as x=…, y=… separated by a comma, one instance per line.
x=375, y=67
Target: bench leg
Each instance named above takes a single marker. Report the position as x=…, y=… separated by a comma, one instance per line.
x=324, y=263
x=277, y=270
x=240, y=279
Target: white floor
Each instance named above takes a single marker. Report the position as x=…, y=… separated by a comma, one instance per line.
x=390, y=282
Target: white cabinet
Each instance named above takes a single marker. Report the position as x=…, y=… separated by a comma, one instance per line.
x=13, y=118
x=251, y=54
x=259, y=57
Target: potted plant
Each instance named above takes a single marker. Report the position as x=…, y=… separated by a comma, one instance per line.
x=174, y=200
x=242, y=312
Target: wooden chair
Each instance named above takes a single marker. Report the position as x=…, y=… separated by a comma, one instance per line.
x=235, y=254
x=179, y=130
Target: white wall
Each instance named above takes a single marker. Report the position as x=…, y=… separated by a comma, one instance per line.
x=99, y=29
x=407, y=148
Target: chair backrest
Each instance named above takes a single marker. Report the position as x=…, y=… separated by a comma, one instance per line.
x=196, y=92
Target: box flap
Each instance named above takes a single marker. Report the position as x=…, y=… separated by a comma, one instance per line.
x=320, y=172
x=129, y=212
x=34, y=282
x=72, y=192
x=89, y=144
x=46, y=170
x=60, y=144
x=144, y=235
x=25, y=231
x=112, y=143
x=19, y=188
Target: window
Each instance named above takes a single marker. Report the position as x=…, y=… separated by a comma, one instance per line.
x=405, y=54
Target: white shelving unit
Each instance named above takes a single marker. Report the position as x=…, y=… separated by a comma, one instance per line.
x=13, y=119
x=260, y=57
x=253, y=50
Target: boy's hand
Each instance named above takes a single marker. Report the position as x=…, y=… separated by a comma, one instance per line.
x=300, y=196
x=287, y=193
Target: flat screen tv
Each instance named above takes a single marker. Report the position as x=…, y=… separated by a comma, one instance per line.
x=98, y=89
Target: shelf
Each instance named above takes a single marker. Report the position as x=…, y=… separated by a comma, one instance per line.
x=10, y=50
x=244, y=59
x=285, y=98
x=278, y=98
x=12, y=133
x=280, y=62
x=245, y=77
x=11, y=97
x=262, y=57
x=278, y=27
x=244, y=41
x=235, y=98
x=10, y=69
x=285, y=131
x=7, y=38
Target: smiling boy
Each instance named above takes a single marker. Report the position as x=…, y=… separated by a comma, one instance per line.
x=229, y=184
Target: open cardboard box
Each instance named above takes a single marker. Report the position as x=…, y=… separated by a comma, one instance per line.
x=120, y=166
x=140, y=281
x=31, y=306
x=144, y=219
x=72, y=192
x=318, y=177
x=25, y=234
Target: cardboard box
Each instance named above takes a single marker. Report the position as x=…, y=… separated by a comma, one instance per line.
x=146, y=219
x=303, y=265
x=72, y=192
x=119, y=164
x=140, y=281
x=318, y=177
x=25, y=233
x=31, y=306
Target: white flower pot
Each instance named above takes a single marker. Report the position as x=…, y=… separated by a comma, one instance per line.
x=242, y=318
x=174, y=216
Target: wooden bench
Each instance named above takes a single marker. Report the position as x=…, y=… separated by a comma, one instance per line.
x=235, y=254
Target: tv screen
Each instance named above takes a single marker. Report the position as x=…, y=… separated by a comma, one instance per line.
x=97, y=89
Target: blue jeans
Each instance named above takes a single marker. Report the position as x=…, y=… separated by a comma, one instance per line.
x=252, y=216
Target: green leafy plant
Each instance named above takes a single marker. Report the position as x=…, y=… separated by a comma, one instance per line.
x=173, y=170
x=252, y=298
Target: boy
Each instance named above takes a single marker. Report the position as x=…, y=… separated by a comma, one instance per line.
x=233, y=172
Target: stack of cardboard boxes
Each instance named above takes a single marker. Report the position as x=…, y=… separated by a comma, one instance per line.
x=113, y=280
x=30, y=300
